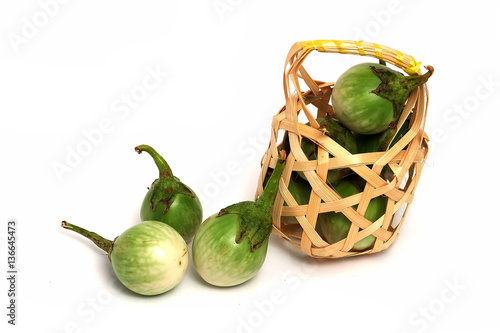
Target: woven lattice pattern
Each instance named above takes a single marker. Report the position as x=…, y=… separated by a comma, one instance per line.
x=406, y=158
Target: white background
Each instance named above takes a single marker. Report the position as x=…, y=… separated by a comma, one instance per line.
x=65, y=74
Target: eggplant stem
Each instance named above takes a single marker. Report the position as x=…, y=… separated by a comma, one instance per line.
x=163, y=167
x=266, y=199
x=101, y=242
x=413, y=81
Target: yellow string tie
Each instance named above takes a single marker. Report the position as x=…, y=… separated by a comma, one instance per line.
x=314, y=45
x=340, y=46
x=413, y=68
x=361, y=49
x=378, y=52
x=399, y=59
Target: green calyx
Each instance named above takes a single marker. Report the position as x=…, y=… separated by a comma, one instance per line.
x=255, y=224
x=396, y=87
x=167, y=186
x=256, y=217
x=336, y=131
x=339, y=133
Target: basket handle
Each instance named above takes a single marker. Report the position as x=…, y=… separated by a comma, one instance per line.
x=381, y=52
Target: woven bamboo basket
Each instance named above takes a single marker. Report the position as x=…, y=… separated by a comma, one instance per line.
x=406, y=158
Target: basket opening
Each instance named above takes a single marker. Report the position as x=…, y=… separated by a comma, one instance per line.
x=314, y=110
x=301, y=117
x=398, y=216
x=328, y=67
x=404, y=183
x=280, y=137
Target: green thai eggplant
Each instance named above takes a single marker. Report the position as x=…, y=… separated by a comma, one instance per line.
x=149, y=258
x=340, y=134
x=170, y=201
x=368, y=98
x=230, y=246
x=381, y=141
x=335, y=226
x=300, y=190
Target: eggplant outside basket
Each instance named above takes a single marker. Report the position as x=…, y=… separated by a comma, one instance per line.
x=405, y=159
